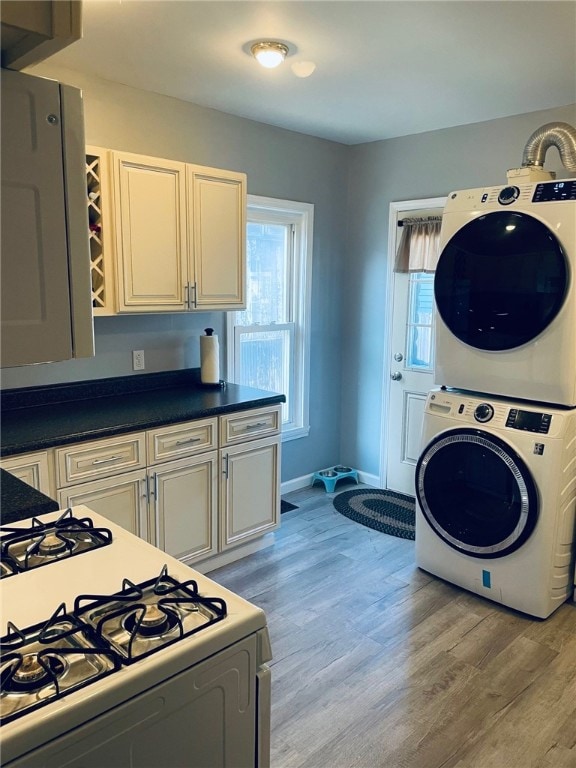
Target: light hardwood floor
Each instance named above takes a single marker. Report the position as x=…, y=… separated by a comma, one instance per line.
x=380, y=665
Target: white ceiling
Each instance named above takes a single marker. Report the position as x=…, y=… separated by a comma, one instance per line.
x=383, y=68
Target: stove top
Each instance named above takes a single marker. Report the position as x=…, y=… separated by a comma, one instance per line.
x=139, y=616
x=42, y=543
x=72, y=650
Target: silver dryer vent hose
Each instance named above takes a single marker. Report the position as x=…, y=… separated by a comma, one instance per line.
x=559, y=135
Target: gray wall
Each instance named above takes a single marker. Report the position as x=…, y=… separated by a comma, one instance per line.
x=425, y=165
x=279, y=163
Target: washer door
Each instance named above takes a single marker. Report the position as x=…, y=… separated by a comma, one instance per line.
x=500, y=281
x=476, y=493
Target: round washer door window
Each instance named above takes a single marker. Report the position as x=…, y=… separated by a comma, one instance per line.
x=476, y=493
x=500, y=281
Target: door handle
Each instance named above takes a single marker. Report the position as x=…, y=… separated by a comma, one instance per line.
x=396, y=376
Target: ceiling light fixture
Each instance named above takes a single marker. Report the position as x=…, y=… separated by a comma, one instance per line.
x=269, y=53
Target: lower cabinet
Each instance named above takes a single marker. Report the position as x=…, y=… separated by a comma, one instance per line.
x=172, y=486
x=184, y=497
x=121, y=499
x=173, y=507
x=34, y=469
x=249, y=490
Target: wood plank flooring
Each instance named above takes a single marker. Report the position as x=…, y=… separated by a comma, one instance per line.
x=380, y=665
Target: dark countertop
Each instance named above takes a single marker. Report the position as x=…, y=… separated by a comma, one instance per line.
x=37, y=418
x=20, y=501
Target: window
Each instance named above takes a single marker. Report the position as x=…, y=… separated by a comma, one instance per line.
x=420, y=326
x=269, y=344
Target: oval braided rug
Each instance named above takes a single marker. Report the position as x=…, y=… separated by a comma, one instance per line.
x=386, y=511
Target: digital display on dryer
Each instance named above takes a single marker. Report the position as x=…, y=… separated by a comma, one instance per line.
x=529, y=421
x=555, y=190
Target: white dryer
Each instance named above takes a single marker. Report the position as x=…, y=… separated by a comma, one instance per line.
x=496, y=498
x=505, y=289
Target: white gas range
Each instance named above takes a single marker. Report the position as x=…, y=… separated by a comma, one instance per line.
x=115, y=654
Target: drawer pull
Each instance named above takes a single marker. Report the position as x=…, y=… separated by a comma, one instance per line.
x=189, y=440
x=108, y=460
x=258, y=425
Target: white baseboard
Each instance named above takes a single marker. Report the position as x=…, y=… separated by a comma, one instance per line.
x=306, y=480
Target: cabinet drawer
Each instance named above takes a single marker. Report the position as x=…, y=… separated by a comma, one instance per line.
x=249, y=425
x=181, y=440
x=100, y=458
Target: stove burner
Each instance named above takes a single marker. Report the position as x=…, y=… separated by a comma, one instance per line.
x=52, y=543
x=22, y=549
x=143, y=618
x=33, y=673
x=153, y=621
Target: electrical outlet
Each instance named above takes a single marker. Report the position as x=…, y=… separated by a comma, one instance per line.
x=138, y=360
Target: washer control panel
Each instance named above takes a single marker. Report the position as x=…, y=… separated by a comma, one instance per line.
x=529, y=421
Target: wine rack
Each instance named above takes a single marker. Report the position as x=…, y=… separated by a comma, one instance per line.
x=101, y=270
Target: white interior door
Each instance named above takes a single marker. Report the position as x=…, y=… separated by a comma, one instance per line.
x=409, y=366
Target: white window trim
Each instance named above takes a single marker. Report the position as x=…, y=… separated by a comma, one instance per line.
x=303, y=215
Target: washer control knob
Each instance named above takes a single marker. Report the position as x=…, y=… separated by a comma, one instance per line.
x=508, y=195
x=483, y=412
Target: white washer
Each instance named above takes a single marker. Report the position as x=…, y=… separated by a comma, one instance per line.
x=496, y=498
x=505, y=289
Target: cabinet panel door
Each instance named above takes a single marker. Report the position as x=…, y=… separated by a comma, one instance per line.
x=150, y=215
x=218, y=235
x=35, y=301
x=186, y=507
x=121, y=499
x=250, y=490
x=34, y=469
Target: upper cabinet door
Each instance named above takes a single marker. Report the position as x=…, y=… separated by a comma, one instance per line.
x=150, y=215
x=35, y=301
x=217, y=233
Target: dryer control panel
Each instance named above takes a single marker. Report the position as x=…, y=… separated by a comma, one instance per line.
x=529, y=421
x=549, y=191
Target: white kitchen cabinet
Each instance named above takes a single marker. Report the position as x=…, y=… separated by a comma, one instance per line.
x=35, y=469
x=179, y=235
x=33, y=31
x=172, y=485
x=172, y=498
x=250, y=491
x=151, y=237
x=46, y=313
x=249, y=475
x=120, y=498
x=184, y=499
x=217, y=238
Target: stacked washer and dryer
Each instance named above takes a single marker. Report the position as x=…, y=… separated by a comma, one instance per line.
x=496, y=478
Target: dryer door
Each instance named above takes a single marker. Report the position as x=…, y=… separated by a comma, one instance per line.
x=476, y=493
x=500, y=281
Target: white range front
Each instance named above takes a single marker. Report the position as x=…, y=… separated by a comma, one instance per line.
x=203, y=700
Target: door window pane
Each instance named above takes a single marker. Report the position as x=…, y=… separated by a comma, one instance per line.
x=420, y=330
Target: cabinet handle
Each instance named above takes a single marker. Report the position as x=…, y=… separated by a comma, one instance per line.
x=194, y=301
x=187, y=295
x=145, y=488
x=189, y=440
x=258, y=425
x=108, y=460
x=225, y=466
x=156, y=515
